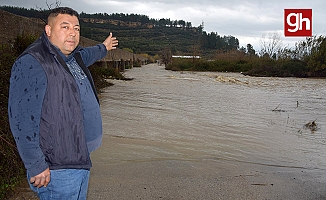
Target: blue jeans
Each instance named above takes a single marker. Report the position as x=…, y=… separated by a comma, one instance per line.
x=64, y=184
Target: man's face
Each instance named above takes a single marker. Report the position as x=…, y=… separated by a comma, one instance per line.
x=64, y=32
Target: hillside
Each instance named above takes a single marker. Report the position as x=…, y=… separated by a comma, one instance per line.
x=142, y=34
x=13, y=25
x=144, y=40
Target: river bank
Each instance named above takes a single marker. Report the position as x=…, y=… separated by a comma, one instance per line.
x=118, y=173
x=123, y=170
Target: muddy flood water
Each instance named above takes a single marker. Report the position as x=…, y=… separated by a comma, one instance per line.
x=203, y=135
x=220, y=116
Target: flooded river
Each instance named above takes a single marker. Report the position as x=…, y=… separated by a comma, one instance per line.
x=220, y=116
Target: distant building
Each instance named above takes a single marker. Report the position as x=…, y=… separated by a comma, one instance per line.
x=186, y=57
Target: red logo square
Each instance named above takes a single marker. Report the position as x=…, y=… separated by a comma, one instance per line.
x=298, y=22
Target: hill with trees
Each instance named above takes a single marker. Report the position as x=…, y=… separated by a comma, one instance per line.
x=144, y=35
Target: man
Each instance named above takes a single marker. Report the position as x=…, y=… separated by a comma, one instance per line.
x=53, y=108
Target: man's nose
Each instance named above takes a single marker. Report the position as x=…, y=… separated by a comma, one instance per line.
x=73, y=32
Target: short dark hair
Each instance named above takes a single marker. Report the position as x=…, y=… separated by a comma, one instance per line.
x=62, y=10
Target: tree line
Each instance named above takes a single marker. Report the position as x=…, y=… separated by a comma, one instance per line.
x=306, y=59
x=143, y=19
x=151, y=36
x=215, y=41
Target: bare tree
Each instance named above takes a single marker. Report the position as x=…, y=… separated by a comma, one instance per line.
x=166, y=56
x=305, y=48
x=57, y=4
x=271, y=45
x=44, y=12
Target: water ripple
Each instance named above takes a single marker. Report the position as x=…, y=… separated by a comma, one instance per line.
x=221, y=115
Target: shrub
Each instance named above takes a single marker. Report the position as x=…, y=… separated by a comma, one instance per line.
x=11, y=167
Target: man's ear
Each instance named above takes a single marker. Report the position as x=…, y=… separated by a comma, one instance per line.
x=48, y=30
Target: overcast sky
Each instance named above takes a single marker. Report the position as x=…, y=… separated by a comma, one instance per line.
x=246, y=20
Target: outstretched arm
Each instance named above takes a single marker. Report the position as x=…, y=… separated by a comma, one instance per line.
x=110, y=42
x=94, y=53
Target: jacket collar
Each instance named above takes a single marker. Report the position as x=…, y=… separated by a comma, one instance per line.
x=55, y=50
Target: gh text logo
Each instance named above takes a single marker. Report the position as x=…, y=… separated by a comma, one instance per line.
x=298, y=22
